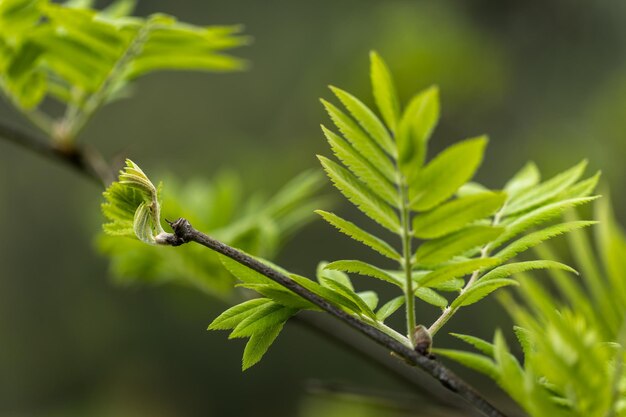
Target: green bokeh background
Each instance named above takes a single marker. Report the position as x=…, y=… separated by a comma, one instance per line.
x=545, y=79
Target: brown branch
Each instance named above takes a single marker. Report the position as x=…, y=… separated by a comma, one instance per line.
x=100, y=173
x=85, y=161
x=184, y=233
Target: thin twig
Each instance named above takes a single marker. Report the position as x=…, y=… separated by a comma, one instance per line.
x=83, y=160
x=184, y=233
x=85, y=166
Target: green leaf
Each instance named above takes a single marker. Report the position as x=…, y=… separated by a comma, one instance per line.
x=134, y=197
x=362, y=268
x=535, y=238
x=581, y=189
x=230, y=318
x=384, y=91
x=360, y=235
x=263, y=318
x=335, y=286
x=331, y=296
x=339, y=276
x=389, y=308
x=431, y=297
x=524, y=179
x=370, y=298
x=538, y=216
x=367, y=119
x=480, y=344
x=361, y=141
x=370, y=204
x=445, y=248
x=281, y=296
x=524, y=337
x=480, y=290
x=543, y=192
x=258, y=344
x=507, y=270
x=442, y=177
x=474, y=361
x=511, y=373
x=456, y=271
x=363, y=169
x=456, y=214
x=416, y=126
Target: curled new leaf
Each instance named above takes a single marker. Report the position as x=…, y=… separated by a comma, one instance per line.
x=132, y=206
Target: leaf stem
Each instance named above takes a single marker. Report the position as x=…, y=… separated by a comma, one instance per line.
x=407, y=264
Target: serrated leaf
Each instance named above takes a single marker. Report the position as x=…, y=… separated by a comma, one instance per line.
x=343, y=290
x=367, y=119
x=538, y=216
x=360, y=235
x=543, y=192
x=524, y=337
x=535, y=238
x=474, y=361
x=480, y=344
x=581, y=189
x=431, y=297
x=258, y=345
x=361, y=141
x=442, y=176
x=417, y=124
x=480, y=290
x=333, y=297
x=263, y=318
x=456, y=271
x=456, y=214
x=323, y=274
x=445, y=248
x=362, y=168
x=363, y=268
x=524, y=179
x=511, y=373
x=389, y=308
x=370, y=298
x=281, y=296
x=451, y=285
x=507, y=270
x=230, y=318
x=369, y=203
x=384, y=91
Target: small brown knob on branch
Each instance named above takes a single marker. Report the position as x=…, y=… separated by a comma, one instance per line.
x=422, y=341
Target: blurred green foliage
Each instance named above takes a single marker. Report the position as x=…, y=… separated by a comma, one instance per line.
x=572, y=339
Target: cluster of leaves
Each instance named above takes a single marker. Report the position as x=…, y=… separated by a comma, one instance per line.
x=255, y=224
x=386, y=178
x=572, y=341
x=84, y=58
x=463, y=228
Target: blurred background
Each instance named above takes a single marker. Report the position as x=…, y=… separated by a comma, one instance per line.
x=546, y=80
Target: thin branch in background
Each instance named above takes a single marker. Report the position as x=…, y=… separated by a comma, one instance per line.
x=84, y=160
x=184, y=233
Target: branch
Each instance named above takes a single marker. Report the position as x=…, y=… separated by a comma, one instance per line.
x=184, y=233
x=85, y=161
x=86, y=165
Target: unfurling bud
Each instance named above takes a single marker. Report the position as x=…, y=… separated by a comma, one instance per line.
x=422, y=341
